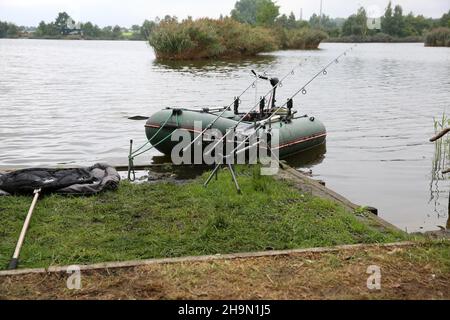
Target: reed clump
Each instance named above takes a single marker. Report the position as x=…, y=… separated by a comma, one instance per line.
x=439, y=37
x=303, y=38
x=225, y=38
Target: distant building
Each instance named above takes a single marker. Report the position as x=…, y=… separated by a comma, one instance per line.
x=374, y=23
x=374, y=14
x=75, y=31
x=72, y=28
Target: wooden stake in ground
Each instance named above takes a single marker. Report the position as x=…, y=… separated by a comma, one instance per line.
x=15, y=259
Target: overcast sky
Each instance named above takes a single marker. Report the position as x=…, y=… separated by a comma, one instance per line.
x=127, y=13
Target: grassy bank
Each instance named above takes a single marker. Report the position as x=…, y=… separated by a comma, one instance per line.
x=439, y=37
x=169, y=220
x=225, y=38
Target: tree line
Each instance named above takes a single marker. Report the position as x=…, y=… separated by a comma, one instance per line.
x=64, y=26
x=395, y=24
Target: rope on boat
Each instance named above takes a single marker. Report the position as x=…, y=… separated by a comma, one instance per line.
x=138, y=152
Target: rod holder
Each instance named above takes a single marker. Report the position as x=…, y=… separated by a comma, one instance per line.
x=236, y=105
x=130, y=162
x=290, y=105
x=262, y=105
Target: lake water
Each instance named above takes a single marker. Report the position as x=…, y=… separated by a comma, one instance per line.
x=67, y=102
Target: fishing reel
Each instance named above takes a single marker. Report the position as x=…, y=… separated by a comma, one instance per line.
x=288, y=114
x=273, y=81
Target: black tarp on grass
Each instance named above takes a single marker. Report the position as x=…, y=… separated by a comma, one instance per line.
x=76, y=181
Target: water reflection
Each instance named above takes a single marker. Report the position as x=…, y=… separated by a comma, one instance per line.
x=220, y=66
x=308, y=158
x=161, y=159
x=305, y=159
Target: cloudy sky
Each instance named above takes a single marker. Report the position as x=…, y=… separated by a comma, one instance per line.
x=126, y=13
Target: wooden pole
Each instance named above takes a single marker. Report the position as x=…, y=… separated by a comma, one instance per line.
x=440, y=135
x=15, y=259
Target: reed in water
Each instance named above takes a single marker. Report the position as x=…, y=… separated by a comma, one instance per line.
x=441, y=163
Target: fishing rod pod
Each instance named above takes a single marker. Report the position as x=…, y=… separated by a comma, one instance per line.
x=289, y=101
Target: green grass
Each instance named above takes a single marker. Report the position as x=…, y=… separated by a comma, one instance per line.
x=431, y=251
x=169, y=220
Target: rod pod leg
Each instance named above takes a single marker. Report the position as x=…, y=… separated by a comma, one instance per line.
x=233, y=175
x=211, y=175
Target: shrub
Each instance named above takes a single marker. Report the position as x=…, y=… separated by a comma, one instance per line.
x=313, y=38
x=243, y=39
x=207, y=38
x=381, y=37
x=439, y=37
x=301, y=39
x=226, y=38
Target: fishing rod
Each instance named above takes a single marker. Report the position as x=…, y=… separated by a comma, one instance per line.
x=225, y=109
x=275, y=86
x=133, y=154
x=302, y=90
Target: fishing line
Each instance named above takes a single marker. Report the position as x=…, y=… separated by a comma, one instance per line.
x=301, y=90
x=291, y=72
x=256, y=88
x=209, y=126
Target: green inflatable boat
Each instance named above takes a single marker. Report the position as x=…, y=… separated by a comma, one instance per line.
x=294, y=133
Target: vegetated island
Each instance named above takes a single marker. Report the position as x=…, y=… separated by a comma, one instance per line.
x=226, y=38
